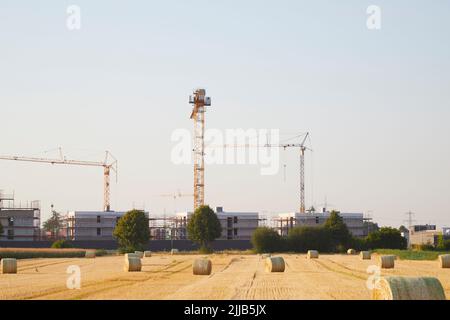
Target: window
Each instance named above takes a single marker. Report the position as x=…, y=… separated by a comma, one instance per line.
x=10, y=234
x=98, y=219
x=229, y=222
x=11, y=222
x=229, y=235
x=99, y=231
x=235, y=220
x=317, y=220
x=235, y=232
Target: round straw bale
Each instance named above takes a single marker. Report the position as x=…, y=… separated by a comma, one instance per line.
x=387, y=262
x=89, y=254
x=313, y=254
x=202, y=267
x=147, y=254
x=140, y=254
x=8, y=265
x=351, y=251
x=275, y=264
x=444, y=261
x=133, y=264
x=365, y=255
x=408, y=288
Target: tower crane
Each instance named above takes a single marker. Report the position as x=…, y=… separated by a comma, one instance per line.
x=175, y=196
x=302, y=147
x=199, y=101
x=108, y=165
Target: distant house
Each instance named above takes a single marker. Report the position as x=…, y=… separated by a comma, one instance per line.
x=424, y=234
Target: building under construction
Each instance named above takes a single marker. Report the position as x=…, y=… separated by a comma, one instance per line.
x=286, y=221
x=20, y=220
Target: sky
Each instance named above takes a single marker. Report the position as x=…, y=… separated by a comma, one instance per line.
x=376, y=102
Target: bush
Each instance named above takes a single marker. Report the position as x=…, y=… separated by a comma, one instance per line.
x=41, y=253
x=359, y=244
x=132, y=231
x=266, y=240
x=386, y=238
x=302, y=239
x=62, y=244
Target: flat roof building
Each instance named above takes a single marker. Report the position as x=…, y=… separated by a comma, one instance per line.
x=287, y=221
x=92, y=225
x=20, y=221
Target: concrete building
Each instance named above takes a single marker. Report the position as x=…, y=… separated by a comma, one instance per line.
x=92, y=225
x=423, y=234
x=235, y=225
x=286, y=221
x=20, y=221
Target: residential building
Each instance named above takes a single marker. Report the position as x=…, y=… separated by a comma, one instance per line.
x=286, y=221
x=20, y=221
x=92, y=225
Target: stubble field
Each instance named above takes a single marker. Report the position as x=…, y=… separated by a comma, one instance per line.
x=233, y=276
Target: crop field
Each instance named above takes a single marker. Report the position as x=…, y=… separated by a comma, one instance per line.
x=233, y=276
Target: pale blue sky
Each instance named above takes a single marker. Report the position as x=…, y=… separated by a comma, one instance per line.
x=377, y=103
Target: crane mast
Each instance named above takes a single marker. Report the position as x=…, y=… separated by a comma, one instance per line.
x=199, y=101
x=107, y=167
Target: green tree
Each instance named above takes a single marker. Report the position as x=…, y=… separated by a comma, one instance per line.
x=340, y=235
x=132, y=231
x=386, y=238
x=1, y=228
x=204, y=227
x=53, y=224
x=304, y=238
x=266, y=240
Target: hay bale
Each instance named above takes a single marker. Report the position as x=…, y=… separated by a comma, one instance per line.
x=140, y=254
x=90, y=254
x=202, y=267
x=313, y=254
x=8, y=265
x=387, y=262
x=365, y=255
x=275, y=264
x=351, y=251
x=147, y=254
x=174, y=251
x=444, y=261
x=408, y=288
x=132, y=264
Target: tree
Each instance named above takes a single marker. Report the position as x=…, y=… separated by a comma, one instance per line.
x=340, y=235
x=266, y=240
x=304, y=238
x=204, y=227
x=54, y=224
x=386, y=238
x=132, y=231
x=1, y=228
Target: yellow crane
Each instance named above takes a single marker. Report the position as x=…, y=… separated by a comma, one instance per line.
x=200, y=101
x=108, y=165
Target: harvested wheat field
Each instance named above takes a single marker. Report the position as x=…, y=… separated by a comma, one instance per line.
x=233, y=276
